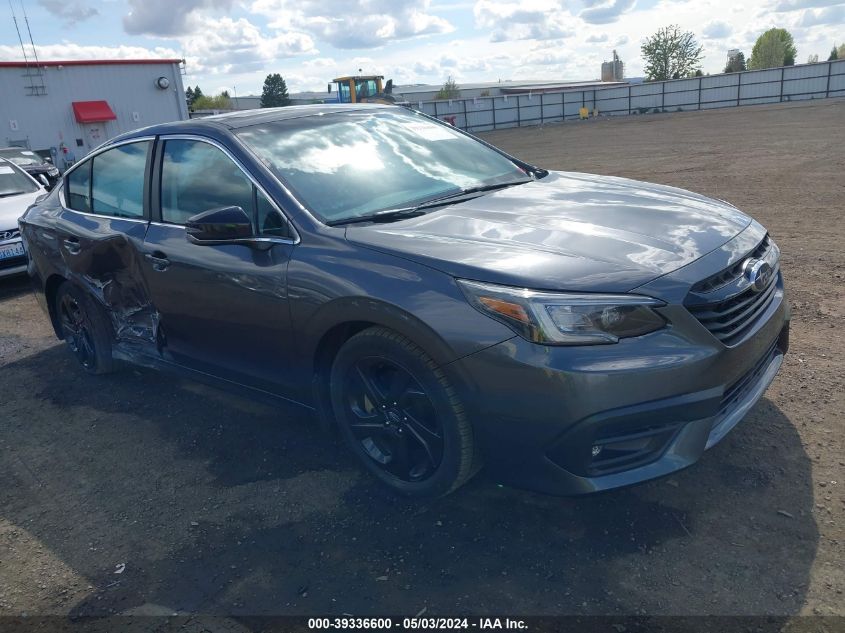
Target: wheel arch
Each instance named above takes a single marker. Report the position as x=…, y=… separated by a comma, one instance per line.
x=340, y=320
x=51, y=287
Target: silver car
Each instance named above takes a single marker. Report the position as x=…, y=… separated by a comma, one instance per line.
x=18, y=190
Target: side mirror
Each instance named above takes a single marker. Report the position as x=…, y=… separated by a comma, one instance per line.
x=43, y=180
x=219, y=226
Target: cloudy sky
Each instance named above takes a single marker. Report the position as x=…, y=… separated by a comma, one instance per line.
x=233, y=44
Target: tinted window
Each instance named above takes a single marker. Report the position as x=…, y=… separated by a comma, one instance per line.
x=14, y=182
x=117, y=186
x=79, y=188
x=197, y=177
x=351, y=164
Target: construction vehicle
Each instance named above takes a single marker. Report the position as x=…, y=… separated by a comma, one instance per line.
x=362, y=89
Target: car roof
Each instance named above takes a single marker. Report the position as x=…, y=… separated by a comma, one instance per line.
x=245, y=118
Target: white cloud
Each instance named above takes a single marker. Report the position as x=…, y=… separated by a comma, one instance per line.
x=829, y=15
x=166, y=18
x=716, y=30
x=69, y=11
x=70, y=50
x=237, y=46
x=605, y=12
x=523, y=19
x=794, y=5
x=354, y=23
x=597, y=39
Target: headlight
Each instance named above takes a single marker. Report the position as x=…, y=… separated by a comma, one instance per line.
x=553, y=318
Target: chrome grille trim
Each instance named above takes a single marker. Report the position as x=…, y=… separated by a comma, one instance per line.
x=726, y=303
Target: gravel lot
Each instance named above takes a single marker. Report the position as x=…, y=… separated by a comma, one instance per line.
x=213, y=504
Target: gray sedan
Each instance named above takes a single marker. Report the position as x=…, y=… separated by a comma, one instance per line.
x=438, y=303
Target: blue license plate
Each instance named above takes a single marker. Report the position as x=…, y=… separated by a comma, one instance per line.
x=8, y=251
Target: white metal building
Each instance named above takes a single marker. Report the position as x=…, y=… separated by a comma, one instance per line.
x=67, y=108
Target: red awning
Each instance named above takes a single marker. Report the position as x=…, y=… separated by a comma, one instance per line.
x=92, y=111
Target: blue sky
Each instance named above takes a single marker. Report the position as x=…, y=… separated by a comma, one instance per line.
x=234, y=44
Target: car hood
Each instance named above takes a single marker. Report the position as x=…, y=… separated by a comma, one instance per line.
x=13, y=207
x=567, y=231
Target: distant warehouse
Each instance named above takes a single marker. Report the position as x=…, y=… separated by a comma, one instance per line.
x=64, y=109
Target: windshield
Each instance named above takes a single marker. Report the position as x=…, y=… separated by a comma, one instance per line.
x=14, y=182
x=20, y=157
x=347, y=165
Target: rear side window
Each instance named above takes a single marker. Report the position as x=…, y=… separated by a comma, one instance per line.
x=117, y=183
x=196, y=177
x=79, y=188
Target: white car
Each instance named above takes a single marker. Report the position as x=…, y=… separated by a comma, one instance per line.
x=18, y=190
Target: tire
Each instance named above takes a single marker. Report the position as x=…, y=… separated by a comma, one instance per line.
x=85, y=329
x=398, y=413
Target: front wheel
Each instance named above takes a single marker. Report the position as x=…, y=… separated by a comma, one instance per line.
x=400, y=415
x=84, y=329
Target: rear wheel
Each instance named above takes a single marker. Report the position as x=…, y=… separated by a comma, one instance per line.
x=84, y=329
x=400, y=415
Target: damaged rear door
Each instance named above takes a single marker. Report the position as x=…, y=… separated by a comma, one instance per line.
x=100, y=233
x=222, y=308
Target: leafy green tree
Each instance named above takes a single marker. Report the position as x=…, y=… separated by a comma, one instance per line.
x=449, y=90
x=834, y=53
x=671, y=54
x=189, y=96
x=773, y=49
x=736, y=64
x=218, y=102
x=197, y=92
x=275, y=92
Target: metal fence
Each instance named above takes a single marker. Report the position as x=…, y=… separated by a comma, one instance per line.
x=790, y=83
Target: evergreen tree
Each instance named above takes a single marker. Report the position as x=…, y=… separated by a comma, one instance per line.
x=275, y=92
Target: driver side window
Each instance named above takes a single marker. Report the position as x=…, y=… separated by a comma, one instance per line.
x=197, y=176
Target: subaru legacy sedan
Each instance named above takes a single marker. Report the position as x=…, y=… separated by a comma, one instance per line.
x=438, y=303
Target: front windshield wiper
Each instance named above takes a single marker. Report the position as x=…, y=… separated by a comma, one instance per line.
x=391, y=215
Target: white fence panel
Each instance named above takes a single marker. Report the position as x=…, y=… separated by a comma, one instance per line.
x=794, y=83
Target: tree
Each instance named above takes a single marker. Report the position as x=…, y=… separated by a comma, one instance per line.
x=834, y=54
x=773, y=49
x=736, y=64
x=275, y=92
x=197, y=92
x=189, y=97
x=449, y=90
x=671, y=54
x=813, y=59
x=219, y=102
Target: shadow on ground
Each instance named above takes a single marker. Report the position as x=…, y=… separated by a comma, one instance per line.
x=218, y=505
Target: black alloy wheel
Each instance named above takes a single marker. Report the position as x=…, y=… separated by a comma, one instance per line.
x=393, y=419
x=400, y=414
x=84, y=329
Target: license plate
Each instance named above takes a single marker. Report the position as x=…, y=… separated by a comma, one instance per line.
x=8, y=251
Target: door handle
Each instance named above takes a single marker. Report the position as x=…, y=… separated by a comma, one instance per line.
x=159, y=260
x=72, y=245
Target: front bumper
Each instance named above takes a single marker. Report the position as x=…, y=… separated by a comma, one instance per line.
x=647, y=406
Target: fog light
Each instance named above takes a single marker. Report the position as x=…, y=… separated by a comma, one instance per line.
x=596, y=450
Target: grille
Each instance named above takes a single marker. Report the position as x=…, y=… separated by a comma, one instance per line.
x=730, y=274
x=9, y=235
x=746, y=383
x=727, y=305
x=728, y=320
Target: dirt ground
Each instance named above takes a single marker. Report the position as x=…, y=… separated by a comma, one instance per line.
x=140, y=493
